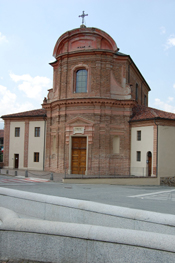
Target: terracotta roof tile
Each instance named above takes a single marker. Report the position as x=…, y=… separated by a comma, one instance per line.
x=141, y=112
x=32, y=113
x=1, y=133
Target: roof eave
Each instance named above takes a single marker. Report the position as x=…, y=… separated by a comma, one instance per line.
x=23, y=116
x=149, y=119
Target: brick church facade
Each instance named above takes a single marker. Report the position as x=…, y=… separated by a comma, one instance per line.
x=95, y=120
x=94, y=90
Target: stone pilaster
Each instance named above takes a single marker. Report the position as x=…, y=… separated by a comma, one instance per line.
x=6, y=143
x=26, y=143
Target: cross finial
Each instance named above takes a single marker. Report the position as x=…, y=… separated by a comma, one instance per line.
x=83, y=15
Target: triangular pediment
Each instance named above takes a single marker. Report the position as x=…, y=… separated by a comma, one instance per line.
x=79, y=121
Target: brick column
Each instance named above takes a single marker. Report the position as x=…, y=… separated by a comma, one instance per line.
x=64, y=80
x=26, y=143
x=96, y=142
x=62, y=140
x=98, y=77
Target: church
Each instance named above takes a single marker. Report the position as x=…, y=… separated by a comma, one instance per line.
x=95, y=121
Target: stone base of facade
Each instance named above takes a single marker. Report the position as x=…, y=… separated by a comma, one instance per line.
x=116, y=181
x=170, y=181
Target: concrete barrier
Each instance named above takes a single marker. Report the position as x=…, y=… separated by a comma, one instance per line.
x=48, y=241
x=62, y=209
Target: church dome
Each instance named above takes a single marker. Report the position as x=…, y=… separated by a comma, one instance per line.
x=85, y=38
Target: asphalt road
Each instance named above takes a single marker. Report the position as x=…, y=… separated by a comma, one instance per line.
x=152, y=198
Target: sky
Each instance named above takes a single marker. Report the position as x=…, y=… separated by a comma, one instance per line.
x=29, y=29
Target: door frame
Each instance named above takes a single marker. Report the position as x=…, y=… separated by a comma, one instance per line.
x=149, y=163
x=70, y=152
x=16, y=154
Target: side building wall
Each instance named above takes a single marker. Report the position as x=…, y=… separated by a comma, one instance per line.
x=16, y=145
x=166, y=151
x=141, y=147
x=26, y=145
x=36, y=145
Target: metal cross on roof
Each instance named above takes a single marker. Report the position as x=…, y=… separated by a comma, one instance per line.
x=83, y=15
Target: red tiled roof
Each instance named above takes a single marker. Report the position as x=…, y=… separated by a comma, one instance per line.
x=1, y=133
x=141, y=112
x=32, y=113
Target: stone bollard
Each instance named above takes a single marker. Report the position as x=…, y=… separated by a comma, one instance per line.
x=16, y=173
x=51, y=176
x=7, y=171
x=26, y=173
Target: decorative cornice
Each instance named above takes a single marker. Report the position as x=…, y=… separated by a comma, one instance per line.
x=90, y=101
x=83, y=52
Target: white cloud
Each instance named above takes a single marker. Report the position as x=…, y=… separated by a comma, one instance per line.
x=16, y=78
x=162, y=30
x=3, y=38
x=165, y=105
x=34, y=88
x=170, y=42
x=170, y=99
x=9, y=104
x=6, y=96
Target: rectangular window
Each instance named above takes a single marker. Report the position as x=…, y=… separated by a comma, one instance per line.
x=138, y=156
x=138, y=135
x=116, y=144
x=1, y=141
x=137, y=91
x=36, y=157
x=17, y=132
x=37, y=131
x=145, y=100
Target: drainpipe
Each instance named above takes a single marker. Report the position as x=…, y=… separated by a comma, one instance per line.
x=157, y=150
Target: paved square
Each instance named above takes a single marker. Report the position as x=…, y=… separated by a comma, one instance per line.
x=163, y=195
x=151, y=198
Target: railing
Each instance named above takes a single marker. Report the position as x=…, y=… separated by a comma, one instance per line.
x=26, y=173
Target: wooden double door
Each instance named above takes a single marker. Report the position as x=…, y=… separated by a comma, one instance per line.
x=78, y=155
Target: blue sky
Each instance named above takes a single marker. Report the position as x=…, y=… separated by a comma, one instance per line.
x=29, y=29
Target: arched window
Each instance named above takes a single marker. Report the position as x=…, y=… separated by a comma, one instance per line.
x=81, y=81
